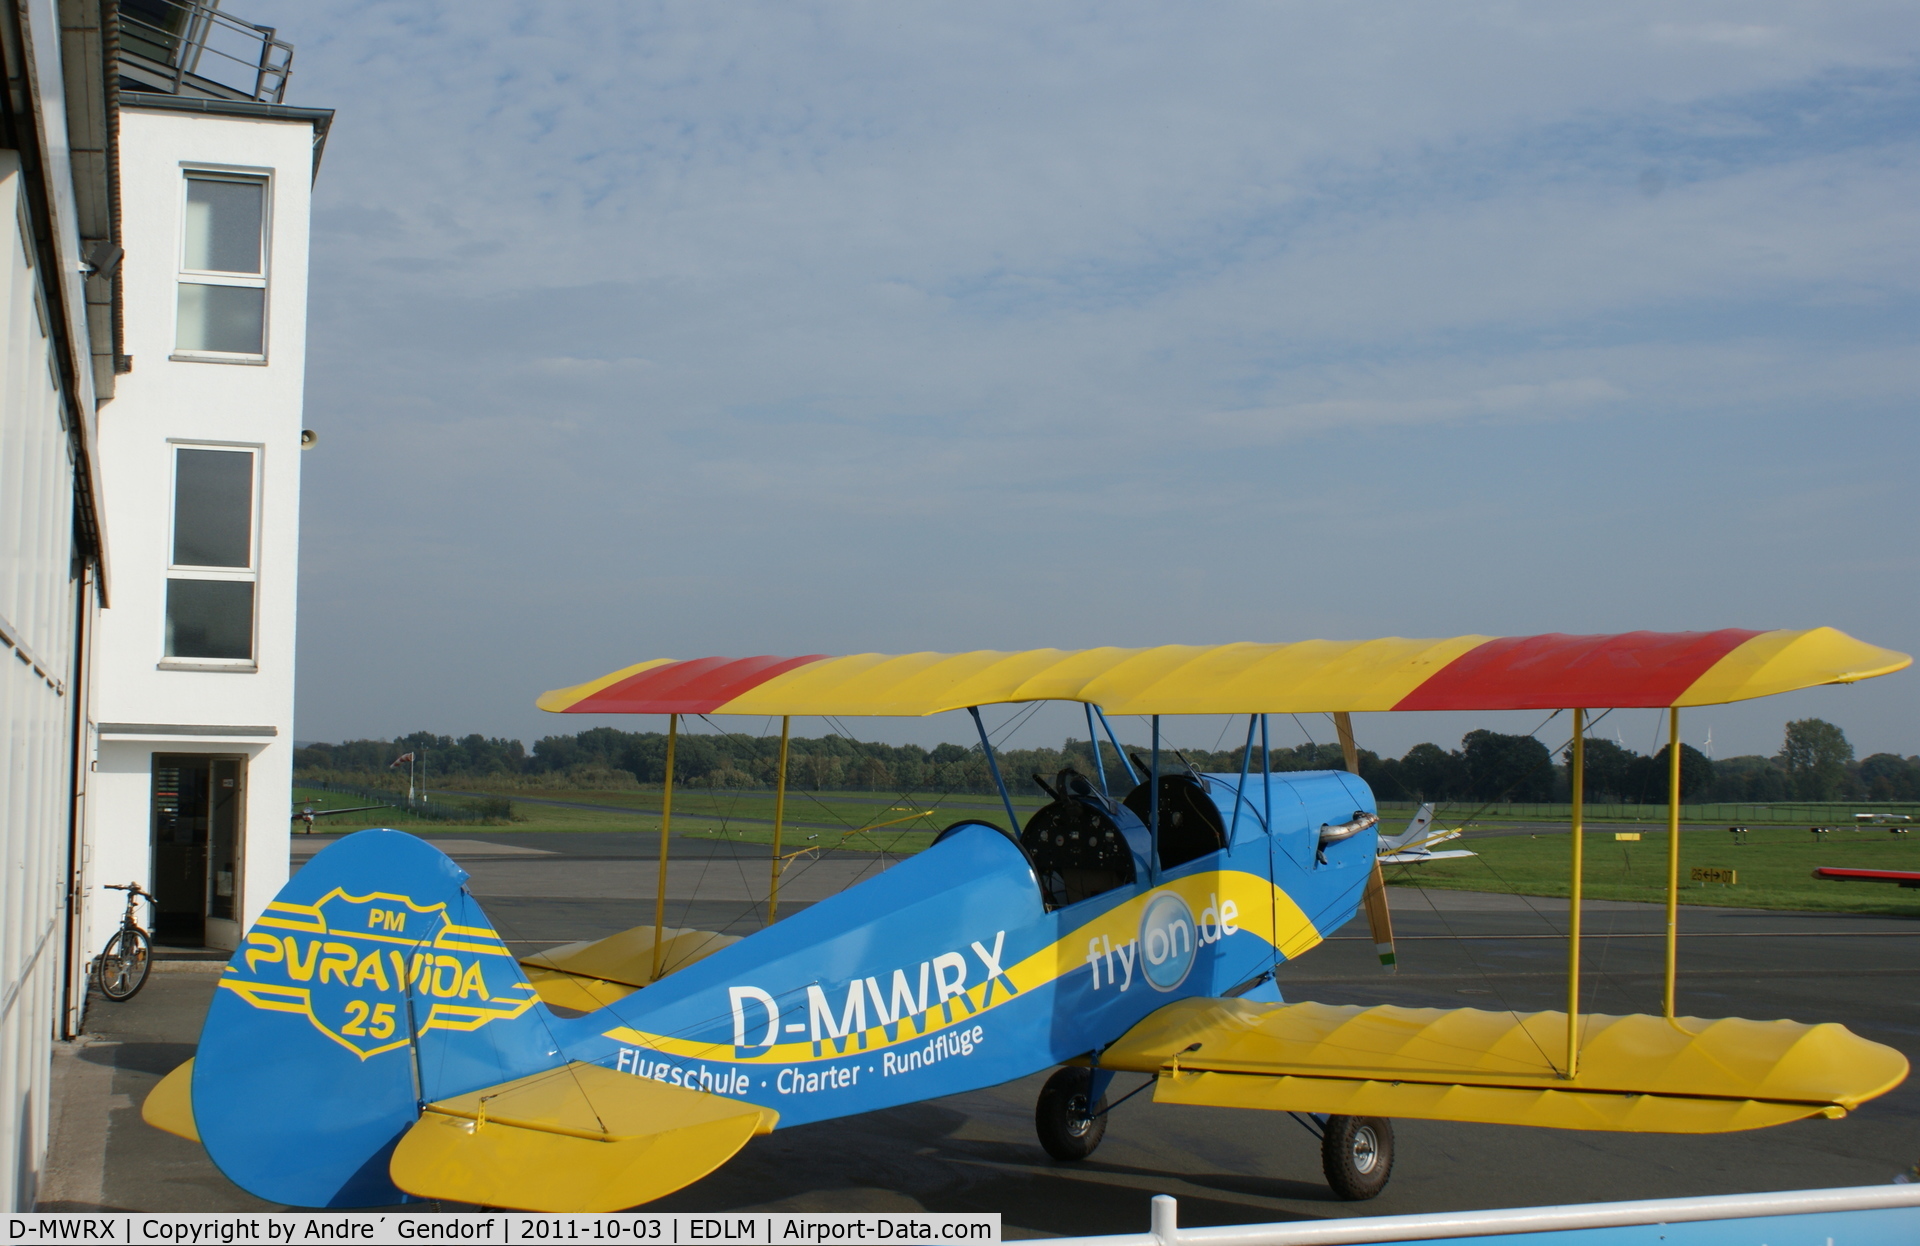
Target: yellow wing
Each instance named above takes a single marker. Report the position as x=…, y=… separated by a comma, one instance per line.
x=585, y=977
x=578, y=1138
x=1637, y=1074
x=1395, y=673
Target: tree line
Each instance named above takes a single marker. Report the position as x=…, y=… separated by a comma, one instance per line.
x=1815, y=762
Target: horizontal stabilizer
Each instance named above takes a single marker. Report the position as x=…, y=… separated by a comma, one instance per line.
x=1637, y=1073
x=169, y=1105
x=627, y=958
x=579, y=1138
x=566, y=993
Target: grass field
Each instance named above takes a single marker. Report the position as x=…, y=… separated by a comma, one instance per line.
x=858, y=820
x=320, y=800
x=542, y=819
x=813, y=819
x=1802, y=813
x=1774, y=867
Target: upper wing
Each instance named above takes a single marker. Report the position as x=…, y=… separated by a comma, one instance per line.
x=1633, y=669
x=1637, y=1073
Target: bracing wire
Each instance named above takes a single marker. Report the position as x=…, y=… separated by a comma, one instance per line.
x=1006, y=730
x=1599, y=974
x=540, y=1014
x=1011, y=725
x=851, y=830
x=1473, y=960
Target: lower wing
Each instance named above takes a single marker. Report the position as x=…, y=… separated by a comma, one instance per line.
x=1637, y=1074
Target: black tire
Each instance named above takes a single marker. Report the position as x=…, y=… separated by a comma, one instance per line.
x=122, y=968
x=1069, y=1127
x=1356, y=1153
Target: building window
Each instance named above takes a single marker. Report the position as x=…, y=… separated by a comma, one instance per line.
x=214, y=566
x=223, y=267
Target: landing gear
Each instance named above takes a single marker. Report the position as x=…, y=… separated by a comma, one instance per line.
x=1356, y=1153
x=1069, y=1119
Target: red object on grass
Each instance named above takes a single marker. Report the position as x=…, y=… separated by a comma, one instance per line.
x=1906, y=878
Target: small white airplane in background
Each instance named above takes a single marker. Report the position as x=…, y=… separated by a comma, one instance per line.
x=1882, y=817
x=1415, y=844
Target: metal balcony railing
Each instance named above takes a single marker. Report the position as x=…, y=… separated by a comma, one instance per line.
x=191, y=47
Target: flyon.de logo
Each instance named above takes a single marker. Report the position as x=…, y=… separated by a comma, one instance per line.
x=1166, y=941
x=1163, y=949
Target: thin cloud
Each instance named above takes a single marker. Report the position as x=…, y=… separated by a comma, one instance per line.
x=677, y=329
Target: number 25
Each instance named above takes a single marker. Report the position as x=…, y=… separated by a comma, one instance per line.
x=382, y=1018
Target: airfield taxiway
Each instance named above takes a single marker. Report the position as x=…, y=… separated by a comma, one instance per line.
x=978, y=1151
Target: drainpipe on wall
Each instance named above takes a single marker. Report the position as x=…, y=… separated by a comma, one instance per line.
x=73, y=977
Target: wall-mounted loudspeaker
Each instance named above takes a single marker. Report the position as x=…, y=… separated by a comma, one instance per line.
x=308, y=438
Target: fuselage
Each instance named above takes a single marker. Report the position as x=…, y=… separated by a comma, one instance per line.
x=949, y=971
x=374, y=984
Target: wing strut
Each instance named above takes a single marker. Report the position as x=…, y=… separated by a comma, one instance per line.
x=779, y=816
x=986, y=746
x=1118, y=751
x=1240, y=793
x=1578, y=830
x=1093, y=740
x=1673, y=857
x=1343, y=724
x=1266, y=816
x=1153, y=806
x=666, y=823
x=1379, y=916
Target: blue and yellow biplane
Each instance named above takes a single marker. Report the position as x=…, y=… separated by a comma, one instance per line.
x=373, y=1039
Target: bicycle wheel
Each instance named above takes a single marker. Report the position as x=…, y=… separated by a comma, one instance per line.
x=122, y=968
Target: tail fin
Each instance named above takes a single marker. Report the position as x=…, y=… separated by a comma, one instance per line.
x=371, y=984
x=1422, y=819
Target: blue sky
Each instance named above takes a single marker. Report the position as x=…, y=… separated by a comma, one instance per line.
x=647, y=330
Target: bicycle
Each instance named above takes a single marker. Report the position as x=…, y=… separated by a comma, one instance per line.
x=121, y=968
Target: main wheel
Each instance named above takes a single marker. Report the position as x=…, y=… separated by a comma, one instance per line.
x=1356, y=1153
x=1070, y=1127
x=122, y=968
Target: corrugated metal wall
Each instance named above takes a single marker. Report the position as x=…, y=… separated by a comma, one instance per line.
x=38, y=598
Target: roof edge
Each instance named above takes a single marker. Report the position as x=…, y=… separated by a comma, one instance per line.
x=321, y=119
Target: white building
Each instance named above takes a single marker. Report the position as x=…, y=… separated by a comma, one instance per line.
x=154, y=200
x=200, y=471
x=56, y=367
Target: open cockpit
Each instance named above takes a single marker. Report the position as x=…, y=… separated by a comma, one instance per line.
x=1078, y=843
x=1190, y=824
x=1083, y=843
